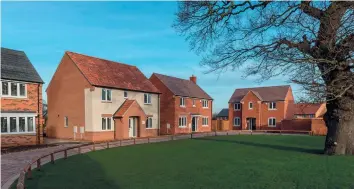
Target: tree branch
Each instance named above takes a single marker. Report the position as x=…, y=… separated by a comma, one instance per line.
x=310, y=10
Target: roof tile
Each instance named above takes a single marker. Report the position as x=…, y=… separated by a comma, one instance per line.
x=273, y=93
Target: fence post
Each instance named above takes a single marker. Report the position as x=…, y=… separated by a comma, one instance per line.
x=227, y=133
x=65, y=154
x=134, y=141
x=79, y=150
x=29, y=172
x=120, y=143
x=148, y=140
x=107, y=144
x=52, y=158
x=93, y=147
x=39, y=164
x=191, y=135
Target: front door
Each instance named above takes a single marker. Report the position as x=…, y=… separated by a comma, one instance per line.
x=194, y=124
x=132, y=127
x=251, y=123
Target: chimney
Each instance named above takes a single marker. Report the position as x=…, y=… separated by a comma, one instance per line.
x=193, y=79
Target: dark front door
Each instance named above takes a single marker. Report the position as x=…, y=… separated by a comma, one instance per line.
x=194, y=124
x=251, y=123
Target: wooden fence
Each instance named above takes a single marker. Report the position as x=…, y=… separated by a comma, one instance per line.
x=37, y=163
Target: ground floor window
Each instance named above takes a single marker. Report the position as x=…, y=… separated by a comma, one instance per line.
x=272, y=122
x=205, y=121
x=182, y=121
x=149, y=123
x=106, y=123
x=17, y=123
x=237, y=121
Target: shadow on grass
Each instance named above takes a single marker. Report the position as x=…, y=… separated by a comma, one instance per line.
x=80, y=171
x=271, y=146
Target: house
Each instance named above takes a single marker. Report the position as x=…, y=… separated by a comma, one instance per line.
x=21, y=100
x=95, y=99
x=260, y=108
x=307, y=110
x=223, y=114
x=185, y=107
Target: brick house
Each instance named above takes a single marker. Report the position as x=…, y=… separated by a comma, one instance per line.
x=95, y=100
x=261, y=108
x=21, y=100
x=185, y=107
x=223, y=114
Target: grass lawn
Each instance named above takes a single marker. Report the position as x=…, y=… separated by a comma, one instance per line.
x=257, y=161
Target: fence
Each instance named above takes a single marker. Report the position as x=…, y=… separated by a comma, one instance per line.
x=26, y=173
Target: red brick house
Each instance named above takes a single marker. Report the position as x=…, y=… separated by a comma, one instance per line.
x=21, y=100
x=185, y=107
x=95, y=99
x=261, y=108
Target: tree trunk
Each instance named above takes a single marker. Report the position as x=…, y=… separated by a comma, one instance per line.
x=339, y=120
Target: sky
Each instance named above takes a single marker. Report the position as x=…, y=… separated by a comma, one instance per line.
x=135, y=33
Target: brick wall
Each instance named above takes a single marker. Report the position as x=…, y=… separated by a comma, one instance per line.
x=318, y=126
x=28, y=104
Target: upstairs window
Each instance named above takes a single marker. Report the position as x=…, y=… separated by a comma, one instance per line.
x=250, y=105
x=13, y=89
x=205, y=103
x=272, y=106
x=272, y=122
x=149, y=123
x=193, y=102
x=106, y=95
x=182, y=102
x=125, y=94
x=147, y=98
x=237, y=106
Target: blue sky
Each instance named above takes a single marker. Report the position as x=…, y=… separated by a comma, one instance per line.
x=136, y=33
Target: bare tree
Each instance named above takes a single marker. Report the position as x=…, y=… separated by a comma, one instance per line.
x=312, y=43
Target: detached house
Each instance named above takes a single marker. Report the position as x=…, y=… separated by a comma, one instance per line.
x=261, y=108
x=21, y=100
x=95, y=99
x=185, y=107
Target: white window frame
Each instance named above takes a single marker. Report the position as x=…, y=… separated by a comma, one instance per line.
x=106, y=95
x=148, y=98
x=182, y=102
x=272, y=106
x=193, y=102
x=205, y=103
x=249, y=105
x=66, y=121
x=9, y=89
x=148, y=124
x=205, y=121
x=275, y=122
x=106, y=123
x=125, y=94
x=235, y=122
x=17, y=116
x=183, y=120
x=239, y=106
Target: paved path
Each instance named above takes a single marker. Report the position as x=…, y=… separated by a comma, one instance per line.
x=13, y=163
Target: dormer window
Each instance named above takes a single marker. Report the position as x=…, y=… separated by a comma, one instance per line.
x=272, y=106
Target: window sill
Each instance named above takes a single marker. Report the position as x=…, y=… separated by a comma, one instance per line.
x=272, y=126
x=182, y=106
x=205, y=125
x=19, y=133
x=237, y=110
x=182, y=126
x=15, y=97
x=149, y=128
x=205, y=107
x=147, y=103
x=106, y=130
x=106, y=101
x=272, y=109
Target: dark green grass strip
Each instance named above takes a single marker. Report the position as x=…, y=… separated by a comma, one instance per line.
x=215, y=162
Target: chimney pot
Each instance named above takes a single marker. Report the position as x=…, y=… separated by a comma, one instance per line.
x=193, y=79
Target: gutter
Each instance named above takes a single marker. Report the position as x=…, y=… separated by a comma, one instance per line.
x=38, y=115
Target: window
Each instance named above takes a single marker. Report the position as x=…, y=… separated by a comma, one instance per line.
x=106, y=123
x=193, y=102
x=147, y=98
x=237, y=106
x=66, y=121
x=182, y=121
x=250, y=105
x=125, y=94
x=3, y=124
x=272, y=122
x=13, y=89
x=13, y=123
x=205, y=121
x=149, y=123
x=182, y=102
x=311, y=116
x=205, y=103
x=272, y=106
x=106, y=95
x=237, y=121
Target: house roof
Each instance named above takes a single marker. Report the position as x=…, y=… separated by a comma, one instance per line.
x=123, y=108
x=223, y=113
x=106, y=73
x=305, y=108
x=182, y=87
x=273, y=93
x=15, y=65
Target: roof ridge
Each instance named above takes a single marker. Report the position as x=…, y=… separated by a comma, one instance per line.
x=265, y=87
x=109, y=61
x=173, y=77
x=12, y=49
